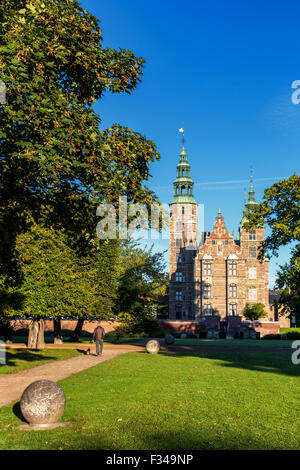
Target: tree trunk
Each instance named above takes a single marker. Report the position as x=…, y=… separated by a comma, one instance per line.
x=8, y=333
x=78, y=330
x=58, y=339
x=36, y=339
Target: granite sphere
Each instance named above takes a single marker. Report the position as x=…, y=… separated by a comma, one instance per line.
x=43, y=403
x=169, y=339
x=152, y=346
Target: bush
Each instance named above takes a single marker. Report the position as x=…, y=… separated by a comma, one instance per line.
x=291, y=335
x=272, y=336
x=254, y=312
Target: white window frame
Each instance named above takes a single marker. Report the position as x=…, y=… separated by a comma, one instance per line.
x=252, y=293
x=252, y=272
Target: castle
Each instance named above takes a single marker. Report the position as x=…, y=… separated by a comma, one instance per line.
x=212, y=274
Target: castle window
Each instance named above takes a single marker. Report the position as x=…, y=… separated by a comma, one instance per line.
x=178, y=312
x=207, y=291
x=220, y=248
x=179, y=277
x=252, y=252
x=252, y=272
x=252, y=235
x=252, y=293
x=232, y=309
x=207, y=269
x=178, y=242
x=182, y=210
x=213, y=242
x=178, y=226
x=182, y=172
x=207, y=309
x=179, y=258
x=233, y=290
x=226, y=242
x=178, y=296
x=232, y=268
x=183, y=190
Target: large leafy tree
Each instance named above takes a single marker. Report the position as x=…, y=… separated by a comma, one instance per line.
x=280, y=210
x=59, y=283
x=142, y=279
x=55, y=164
x=288, y=283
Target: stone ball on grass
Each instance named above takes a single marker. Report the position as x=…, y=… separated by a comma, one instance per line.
x=43, y=403
x=152, y=346
x=169, y=339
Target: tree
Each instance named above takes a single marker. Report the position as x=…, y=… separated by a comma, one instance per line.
x=58, y=283
x=54, y=161
x=142, y=280
x=254, y=312
x=56, y=166
x=288, y=284
x=280, y=209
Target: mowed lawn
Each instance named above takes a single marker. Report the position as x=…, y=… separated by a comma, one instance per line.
x=19, y=359
x=193, y=400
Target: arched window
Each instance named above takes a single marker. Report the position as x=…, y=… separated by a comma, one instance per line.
x=183, y=190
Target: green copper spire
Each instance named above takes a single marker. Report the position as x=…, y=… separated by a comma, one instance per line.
x=248, y=204
x=183, y=184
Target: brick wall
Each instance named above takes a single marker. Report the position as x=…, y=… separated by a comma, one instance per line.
x=68, y=326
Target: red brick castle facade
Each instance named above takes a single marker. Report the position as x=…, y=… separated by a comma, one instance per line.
x=212, y=273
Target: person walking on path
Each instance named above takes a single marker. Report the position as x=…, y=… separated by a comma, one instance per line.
x=98, y=336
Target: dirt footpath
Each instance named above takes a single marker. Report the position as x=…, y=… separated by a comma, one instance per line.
x=13, y=385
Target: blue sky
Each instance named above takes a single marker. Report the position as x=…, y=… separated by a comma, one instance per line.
x=225, y=70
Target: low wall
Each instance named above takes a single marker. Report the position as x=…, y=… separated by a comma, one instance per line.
x=67, y=326
x=194, y=327
x=262, y=327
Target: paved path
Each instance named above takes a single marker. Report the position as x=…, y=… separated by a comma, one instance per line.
x=13, y=385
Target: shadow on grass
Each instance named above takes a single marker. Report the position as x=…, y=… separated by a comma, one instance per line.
x=13, y=358
x=175, y=440
x=278, y=362
x=18, y=413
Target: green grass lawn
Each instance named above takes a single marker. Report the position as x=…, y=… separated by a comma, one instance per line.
x=234, y=343
x=19, y=359
x=289, y=330
x=187, y=400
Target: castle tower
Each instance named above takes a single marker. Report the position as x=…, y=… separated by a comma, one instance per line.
x=256, y=280
x=182, y=243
